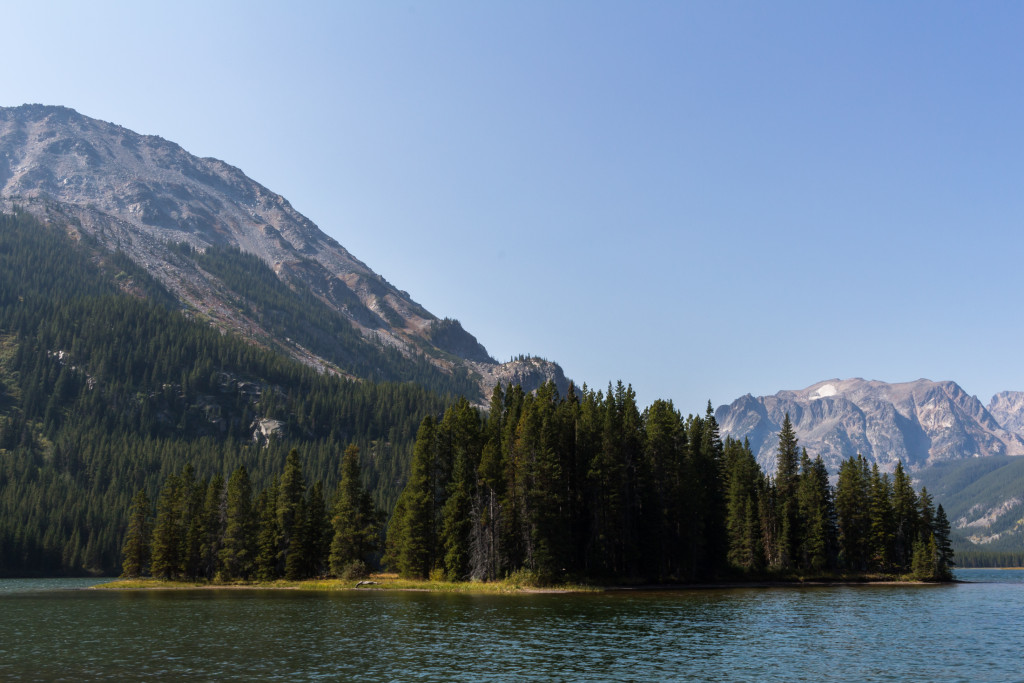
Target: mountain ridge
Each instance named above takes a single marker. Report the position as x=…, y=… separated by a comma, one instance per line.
x=143, y=194
x=920, y=422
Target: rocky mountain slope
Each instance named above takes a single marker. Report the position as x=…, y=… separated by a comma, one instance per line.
x=1007, y=407
x=984, y=498
x=956, y=447
x=146, y=196
x=920, y=423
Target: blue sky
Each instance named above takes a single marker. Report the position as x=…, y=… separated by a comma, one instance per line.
x=701, y=199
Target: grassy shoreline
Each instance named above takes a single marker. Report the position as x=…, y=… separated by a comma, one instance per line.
x=391, y=582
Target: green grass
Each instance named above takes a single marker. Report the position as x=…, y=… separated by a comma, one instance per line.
x=382, y=582
x=515, y=584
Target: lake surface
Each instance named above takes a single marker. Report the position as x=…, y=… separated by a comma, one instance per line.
x=53, y=630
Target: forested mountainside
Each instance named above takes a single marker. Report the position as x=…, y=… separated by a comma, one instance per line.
x=146, y=197
x=106, y=385
x=985, y=501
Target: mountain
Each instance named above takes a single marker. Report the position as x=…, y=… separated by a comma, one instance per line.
x=200, y=227
x=158, y=310
x=984, y=500
x=921, y=423
x=956, y=447
x=1007, y=407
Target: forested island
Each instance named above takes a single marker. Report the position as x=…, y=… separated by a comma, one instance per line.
x=577, y=488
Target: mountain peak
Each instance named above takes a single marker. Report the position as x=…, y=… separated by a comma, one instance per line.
x=919, y=422
x=144, y=196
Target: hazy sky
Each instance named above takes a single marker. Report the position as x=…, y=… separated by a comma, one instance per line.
x=703, y=199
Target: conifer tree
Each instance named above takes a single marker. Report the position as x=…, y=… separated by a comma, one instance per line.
x=318, y=531
x=881, y=531
x=667, y=522
x=605, y=480
x=817, y=514
x=212, y=528
x=852, y=500
x=906, y=518
x=193, y=494
x=169, y=530
x=354, y=520
x=708, y=465
x=414, y=543
x=923, y=567
x=137, y=538
x=744, y=488
x=459, y=435
x=268, y=540
x=786, y=479
x=292, y=517
x=485, y=551
x=943, y=548
x=238, y=550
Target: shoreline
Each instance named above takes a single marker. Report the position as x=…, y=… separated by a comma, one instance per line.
x=392, y=584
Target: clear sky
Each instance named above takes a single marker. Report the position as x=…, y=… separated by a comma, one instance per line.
x=703, y=199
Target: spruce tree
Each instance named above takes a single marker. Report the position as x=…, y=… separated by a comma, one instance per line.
x=923, y=567
x=707, y=468
x=268, y=539
x=354, y=520
x=169, y=530
x=212, y=528
x=137, y=538
x=292, y=517
x=485, y=553
x=238, y=549
x=666, y=523
x=906, y=518
x=880, y=536
x=460, y=431
x=412, y=539
x=786, y=478
x=318, y=532
x=817, y=515
x=744, y=488
x=943, y=547
x=852, y=501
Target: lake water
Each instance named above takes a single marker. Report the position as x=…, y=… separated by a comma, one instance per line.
x=52, y=630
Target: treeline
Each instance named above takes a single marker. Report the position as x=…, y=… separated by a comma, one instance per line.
x=989, y=558
x=107, y=388
x=219, y=530
x=587, y=487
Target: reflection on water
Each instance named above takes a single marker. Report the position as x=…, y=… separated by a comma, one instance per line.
x=972, y=631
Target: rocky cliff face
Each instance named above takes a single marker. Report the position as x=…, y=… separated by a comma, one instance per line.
x=920, y=423
x=1007, y=407
x=142, y=194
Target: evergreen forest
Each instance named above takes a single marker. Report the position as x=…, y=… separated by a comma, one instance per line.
x=107, y=387
x=588, y=487
x=577, y=488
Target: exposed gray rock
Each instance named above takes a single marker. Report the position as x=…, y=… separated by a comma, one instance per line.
x=1007, y=407
x=919, y=423
x=140, y=193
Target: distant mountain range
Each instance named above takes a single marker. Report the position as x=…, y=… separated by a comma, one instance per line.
x=920, y=423
x=146, y=197
x=952, y=443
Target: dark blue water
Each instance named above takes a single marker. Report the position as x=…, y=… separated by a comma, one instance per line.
x=963, y=632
